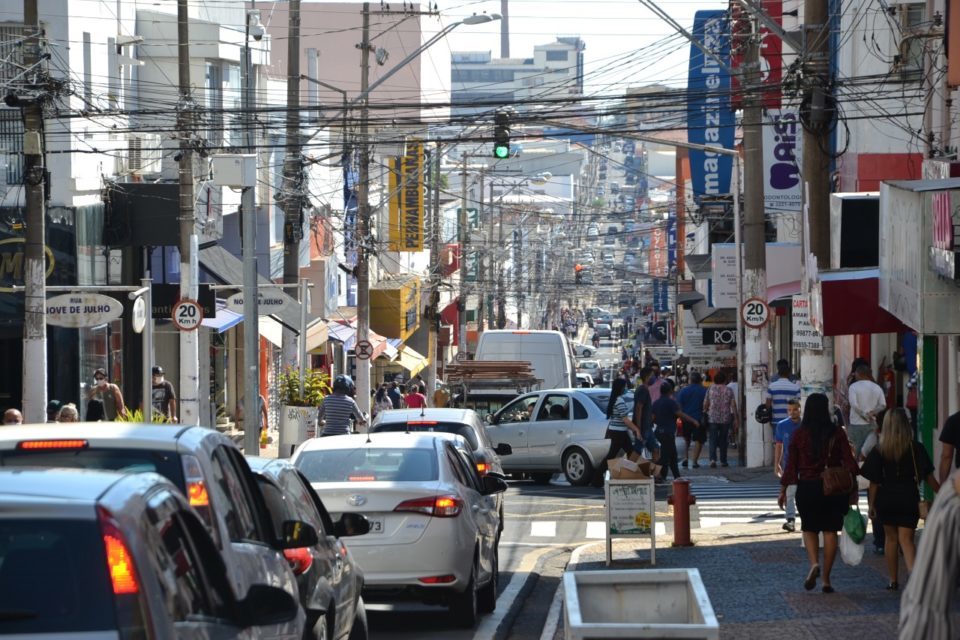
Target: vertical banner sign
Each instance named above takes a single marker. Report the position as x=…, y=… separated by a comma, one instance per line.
x=472, y=266
x=710, y=120
x=411, y=200
x=395, y=197
x=781, y=143
x=771, y=52
x=658, y=252
x=672, y=241
x=351, y=177
x=661, y=295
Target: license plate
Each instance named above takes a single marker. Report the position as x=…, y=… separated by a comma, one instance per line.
x=376, y=525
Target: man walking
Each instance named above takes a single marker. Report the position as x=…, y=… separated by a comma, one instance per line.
x=781, y=390
x=643, y=416
x=107, y=393
x=691, y=399
x=781, y=437
x=163, y=399
x=866, y=401
x=665, y=411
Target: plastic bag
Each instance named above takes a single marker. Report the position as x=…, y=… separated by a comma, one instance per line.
x=855, y=525
x=850, y=551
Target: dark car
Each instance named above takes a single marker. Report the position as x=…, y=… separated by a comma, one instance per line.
x=602, y=330
x=330, y=582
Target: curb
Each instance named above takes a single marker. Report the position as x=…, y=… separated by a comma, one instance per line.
x=556, y=605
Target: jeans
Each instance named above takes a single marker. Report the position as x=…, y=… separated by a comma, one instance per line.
x=719, y=437
x=648, y=441
x=791, y=505
x=668, y=454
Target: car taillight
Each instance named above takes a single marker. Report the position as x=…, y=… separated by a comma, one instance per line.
x=300, y=559
x=436, y=506
x=483, y=468
x=133, y=614
x=197, y=491
x=46, y=445
x=421, y=422
x=447, y=579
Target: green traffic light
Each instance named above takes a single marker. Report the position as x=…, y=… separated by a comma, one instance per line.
x=501, y=151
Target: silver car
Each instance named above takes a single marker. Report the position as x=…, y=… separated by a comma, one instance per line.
x=97, y=555
x=550, y=431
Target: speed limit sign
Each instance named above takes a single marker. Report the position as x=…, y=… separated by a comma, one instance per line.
x=755, y=313
x=187, y=315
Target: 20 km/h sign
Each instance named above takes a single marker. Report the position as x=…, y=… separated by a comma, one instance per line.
x=755, y=313
x=187, y=315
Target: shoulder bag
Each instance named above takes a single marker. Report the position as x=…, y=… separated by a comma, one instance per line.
x=924, y=505
x=837, y=480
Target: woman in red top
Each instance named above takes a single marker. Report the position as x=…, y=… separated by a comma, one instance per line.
x=817, y=444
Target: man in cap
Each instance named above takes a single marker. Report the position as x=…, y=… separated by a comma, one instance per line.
x=164, y=399
x=107, y=393
x=53, y=408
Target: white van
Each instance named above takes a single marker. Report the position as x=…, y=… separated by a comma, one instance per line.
x=549, y=353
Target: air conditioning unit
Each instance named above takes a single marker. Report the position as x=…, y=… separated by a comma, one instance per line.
x=144, y=153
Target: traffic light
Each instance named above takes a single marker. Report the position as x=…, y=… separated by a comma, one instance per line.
x=578, y=273
x=501, y=135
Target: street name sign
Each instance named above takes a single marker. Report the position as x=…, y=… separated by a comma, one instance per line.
x=77, y=310
x=139, y=320
x=268, y=302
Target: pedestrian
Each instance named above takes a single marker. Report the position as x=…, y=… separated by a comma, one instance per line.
x=781, y=438
x=163, y=397
x=894, y=468
x=415, y=399
x=53, y=408
x=866, y=400
x=655, y=381
x=691, y=399
x=68, y=413
x=816, y=445
x=107, y=393
x=381, y=401
x=396, y=396
x=950, y=446
x=666, y=410
x=879, y=540
x=94, y=411
x=338, y=409
x=619, y=426
x=596, y=340
x=12, y=416
x=781, y=389
x=643, y=416
x=720, y=409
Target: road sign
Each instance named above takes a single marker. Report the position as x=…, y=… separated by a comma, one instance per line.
x=139, y=319
x=82, y=310
x=187, y=315
x=755, y=313
x=363, y=350
x=268, y=302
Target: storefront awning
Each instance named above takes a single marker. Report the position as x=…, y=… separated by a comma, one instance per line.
x=700, y=265
x=851, y=304
x=317, y=334
x=687, y=299
x=225, y=319
x=271, y=330
x=411, y=360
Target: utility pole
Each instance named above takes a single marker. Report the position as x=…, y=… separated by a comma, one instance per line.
x=491, y=266
x=482, y=309
x=251, y=303
x=759, y=445
x=189, y=270
x=464, y=239
x=363, y=218
x=292, y=179
x=816, y=367
x=35, y=286
x=433, y=307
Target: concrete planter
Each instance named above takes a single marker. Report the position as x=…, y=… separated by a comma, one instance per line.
x=297, y=424
x=643, y=603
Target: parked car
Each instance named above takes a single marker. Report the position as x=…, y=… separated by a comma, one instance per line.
x=603, y=329
x=205, y=465
x=94, y=554
x=593, y=367
x=328, y=578
x=607, y=279
x=434, y=527
x=585, y=380
x=582, y=350
x=550, y=431
x=593, y=230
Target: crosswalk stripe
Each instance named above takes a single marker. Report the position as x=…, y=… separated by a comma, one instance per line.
x=543, y=529
x=597, y=529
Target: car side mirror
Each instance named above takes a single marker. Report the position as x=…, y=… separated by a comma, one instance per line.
x=493, y=483
x=296, y=534
x=266, y=605
x=503, y=449
x=490, y=419
x=351, y=524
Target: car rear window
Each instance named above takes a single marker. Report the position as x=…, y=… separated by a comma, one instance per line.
x=53, y=577
x=434, y=426
x=369, y=464
x=165, y=463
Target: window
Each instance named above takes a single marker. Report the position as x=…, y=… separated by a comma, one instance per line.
x=557, y=55
x=11, y=146
x=579, y=411
x=232, y=501
x=519, y=410
x=369, y=464
x=555, y=407
x=457, y=428
x=910, y=57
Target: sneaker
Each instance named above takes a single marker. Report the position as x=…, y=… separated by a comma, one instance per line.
x=789, y=526
x=684, y=463
x=713, y=465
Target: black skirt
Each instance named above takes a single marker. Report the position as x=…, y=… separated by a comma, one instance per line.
x=817, y=511
x=897, y=505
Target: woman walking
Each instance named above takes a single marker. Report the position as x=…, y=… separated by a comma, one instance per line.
x=619, y=426
x=894, y=468
x=815, y=446
x=382, y=402
x=720, y=409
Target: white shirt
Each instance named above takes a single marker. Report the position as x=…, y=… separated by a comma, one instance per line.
x=865, y=396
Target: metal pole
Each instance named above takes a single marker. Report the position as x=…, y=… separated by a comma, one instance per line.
x=304, y=308
x=251, y=293
x=292, y=189
x=363, y=219
x=35, y=298
x=464, y=239
x=433, y=312
x=491, y=257
x=189, y=346
x=741, y=366
x=147, y=350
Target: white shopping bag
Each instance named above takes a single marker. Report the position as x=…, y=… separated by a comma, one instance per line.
x=850, y=551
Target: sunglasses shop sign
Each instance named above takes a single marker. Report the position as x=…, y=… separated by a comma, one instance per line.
x=77, y=310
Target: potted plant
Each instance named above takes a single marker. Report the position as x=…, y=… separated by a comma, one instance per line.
x=298, y=411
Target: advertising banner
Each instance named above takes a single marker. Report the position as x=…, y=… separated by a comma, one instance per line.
x=710, y=119
x=658, y=253
x=406, y=200
x=771, y=51
x=804, y=335
x=661, y=295
x=781, y=148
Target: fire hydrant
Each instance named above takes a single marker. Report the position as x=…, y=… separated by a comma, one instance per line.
x=681, y=501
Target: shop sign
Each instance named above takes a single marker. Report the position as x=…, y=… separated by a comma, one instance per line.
x=77, y=310
x=720, y=336
x=12, y=261
x=805, y=336
x=165, y=296
x=406, y=200
x=268, y=303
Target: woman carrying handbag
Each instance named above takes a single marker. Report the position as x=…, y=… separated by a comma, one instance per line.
x=894, y=468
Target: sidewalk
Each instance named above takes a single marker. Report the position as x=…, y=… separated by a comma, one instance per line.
x=754, y=577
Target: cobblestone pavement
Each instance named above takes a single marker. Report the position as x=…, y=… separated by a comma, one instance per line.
x=754, y=578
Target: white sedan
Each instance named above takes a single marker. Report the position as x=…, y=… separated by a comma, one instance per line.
x=583, y=350
x=434, y=526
